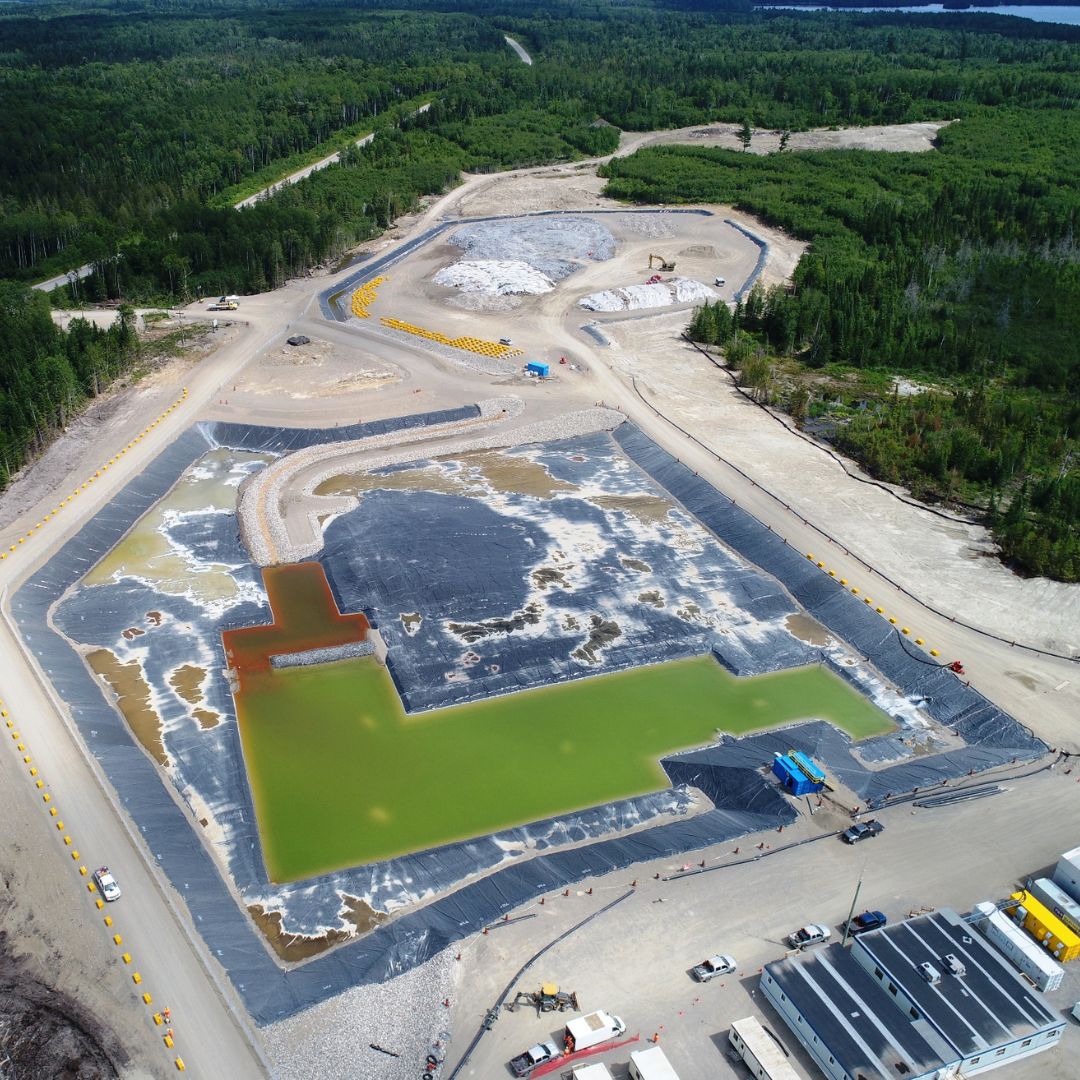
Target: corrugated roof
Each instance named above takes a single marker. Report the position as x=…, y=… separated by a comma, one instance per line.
x=988, y=1006
x=845, y=1007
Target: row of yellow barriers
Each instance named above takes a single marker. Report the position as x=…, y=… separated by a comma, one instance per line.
x=867, y=600
x=493, y=349
x=98, y=473
x=365, y=296
x=84, y=872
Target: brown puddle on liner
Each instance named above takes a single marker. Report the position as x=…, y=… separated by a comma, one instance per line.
x=505, y=473
x=807, y=629
x=293, y=947
x=187, y=682
x=648, y=508
x=132, y=699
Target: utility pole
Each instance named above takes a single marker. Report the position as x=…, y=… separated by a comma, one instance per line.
x=854, y=901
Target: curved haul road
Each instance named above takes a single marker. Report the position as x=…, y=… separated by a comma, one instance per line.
x=211, y=1031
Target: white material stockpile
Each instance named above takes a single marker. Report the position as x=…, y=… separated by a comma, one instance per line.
x=658, y=294
x=495, y=277
x=1020, y=949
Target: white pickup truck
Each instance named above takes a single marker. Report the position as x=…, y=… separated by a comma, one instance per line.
x=107, y=883
x=535, y=1056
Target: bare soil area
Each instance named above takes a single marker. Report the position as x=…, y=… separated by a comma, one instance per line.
x=892, y=138
x=319, y=369
x=65, y=1007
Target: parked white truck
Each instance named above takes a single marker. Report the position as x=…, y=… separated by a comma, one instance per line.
x=591, y=1030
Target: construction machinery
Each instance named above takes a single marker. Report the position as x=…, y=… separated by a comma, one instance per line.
x=665, y=265
x=549, y=998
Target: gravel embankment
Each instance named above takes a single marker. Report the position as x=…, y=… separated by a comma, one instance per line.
x=332, y=1041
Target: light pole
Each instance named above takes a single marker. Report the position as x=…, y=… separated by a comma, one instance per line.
x=854, y=901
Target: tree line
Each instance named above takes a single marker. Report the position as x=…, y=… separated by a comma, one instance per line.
x=47, y=374
x=958, y=268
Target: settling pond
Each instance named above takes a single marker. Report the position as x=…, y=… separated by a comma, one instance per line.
x=341, y=776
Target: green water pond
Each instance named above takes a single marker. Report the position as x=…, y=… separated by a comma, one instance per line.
x=341, y=776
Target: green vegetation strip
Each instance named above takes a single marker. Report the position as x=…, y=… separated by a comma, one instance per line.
x=342, y=777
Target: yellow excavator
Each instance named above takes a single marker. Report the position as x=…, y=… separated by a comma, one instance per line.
x=665, y=266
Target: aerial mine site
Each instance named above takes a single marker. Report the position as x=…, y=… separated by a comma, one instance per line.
x=450, y=661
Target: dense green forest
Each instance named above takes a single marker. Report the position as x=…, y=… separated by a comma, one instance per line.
x=958, y=268
x=131, y=126
x=47, y=374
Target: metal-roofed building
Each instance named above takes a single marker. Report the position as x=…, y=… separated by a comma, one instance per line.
x=916, y=1000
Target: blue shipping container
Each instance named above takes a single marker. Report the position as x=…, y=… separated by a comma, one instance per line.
x=534, y=368
x=792, y=777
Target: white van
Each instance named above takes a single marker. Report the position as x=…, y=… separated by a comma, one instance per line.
x=651, y=1064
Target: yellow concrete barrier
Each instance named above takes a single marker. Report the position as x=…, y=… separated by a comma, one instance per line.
x=53, y=811
x=126, y=957
x=67, y=839
x=99, y=903
x=39, y=784
x=148, y=1000
x=880, y=610
x=108, y=920
x=180, y=1066
x=157, y=1019
x=117, y=939
x=46, y=797
x=904, y=630
x=75, y=856
x=83, y=871
x=919, y=641
x=168, y=1041
x=136, y=978
x=892, y=621
x=855, y=590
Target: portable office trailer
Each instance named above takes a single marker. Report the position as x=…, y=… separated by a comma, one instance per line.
x=1057, y=900
x=1067, y=873
x=1045, y=927
x=1032, y=960
x=651, y=1064
x=591, y=1072
x=761, y=1053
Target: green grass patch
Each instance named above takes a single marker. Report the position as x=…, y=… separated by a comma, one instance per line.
x=341, y=776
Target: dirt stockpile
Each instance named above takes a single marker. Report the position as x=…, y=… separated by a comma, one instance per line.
x=43, y=1033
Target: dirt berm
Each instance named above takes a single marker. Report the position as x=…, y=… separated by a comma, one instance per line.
x=43, y=1033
